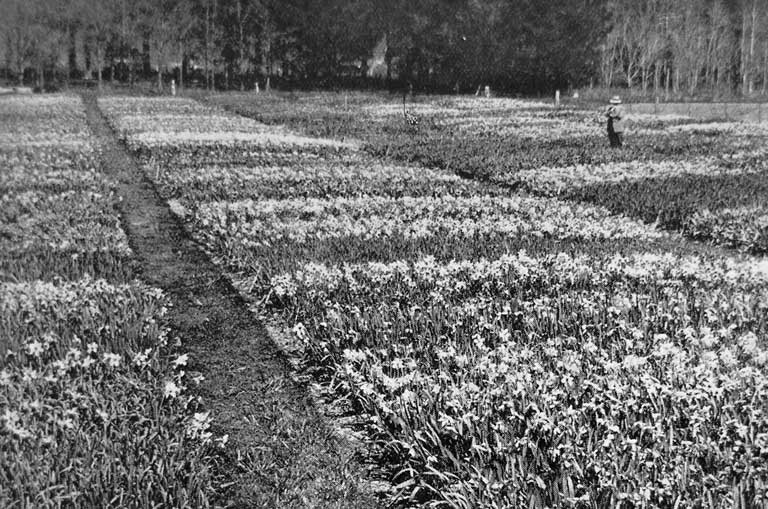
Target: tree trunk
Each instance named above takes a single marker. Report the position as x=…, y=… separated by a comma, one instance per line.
x=99, y=59
x=752, y=42
x=212, y=77
x=765, y=65
x=181, y=66
x=159, y=78
x=87, y=54
x=146, y=58
x=388, y=60
x=676, y=86
x=207, y=40
x=718, y=74
x=241, y=50
x=609, y=66
x=694, y=81
x=72, y=54
x=743, y=49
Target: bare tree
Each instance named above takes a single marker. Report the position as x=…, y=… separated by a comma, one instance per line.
x=243, y=16
x=167, y=25
x=100, y=25
x=21, y=33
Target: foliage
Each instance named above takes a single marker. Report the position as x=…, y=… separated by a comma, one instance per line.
x=716, y=47
x=653, y=47
x=673, y=171
x=88, y=412
x=588, y=371
x=462, y=43
x=94, y=409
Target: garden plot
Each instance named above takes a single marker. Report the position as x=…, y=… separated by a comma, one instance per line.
x=554, y=181
x=604, y=366
x=151, y=123
x=58, y=217
x=93, y=410
x=41, y=117
x=293, y=177
x=717, y=199
x=558, y=379
x=262, y=236
x=704, y=179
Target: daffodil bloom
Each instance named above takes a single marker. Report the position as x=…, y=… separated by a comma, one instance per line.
x=111, y=359
x=171, y=390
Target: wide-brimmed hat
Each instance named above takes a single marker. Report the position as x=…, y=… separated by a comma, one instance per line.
x=615, y=100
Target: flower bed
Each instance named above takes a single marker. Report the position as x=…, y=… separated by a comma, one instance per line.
x=184, y=122
x=606, y=367
x=566, y=381
x=270, y=223
x=553, y=181
x=93, y=404
x=302, y=178
x=671, y=170
x=744, y=228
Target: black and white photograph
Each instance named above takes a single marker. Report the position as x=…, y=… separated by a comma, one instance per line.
x=358, y=254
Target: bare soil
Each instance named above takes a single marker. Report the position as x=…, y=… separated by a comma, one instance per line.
x=281, y=452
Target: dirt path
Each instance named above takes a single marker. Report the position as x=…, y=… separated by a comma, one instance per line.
x=280, y=453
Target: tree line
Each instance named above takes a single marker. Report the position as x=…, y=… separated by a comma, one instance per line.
x=687, y=47
x=649, y=46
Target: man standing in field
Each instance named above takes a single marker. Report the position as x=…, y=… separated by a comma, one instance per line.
x=614, y=113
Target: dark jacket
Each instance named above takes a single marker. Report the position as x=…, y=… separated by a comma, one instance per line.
x=615, y=113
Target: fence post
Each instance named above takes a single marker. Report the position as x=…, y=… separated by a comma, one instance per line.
x=759, y=112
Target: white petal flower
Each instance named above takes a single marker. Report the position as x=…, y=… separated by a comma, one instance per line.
x=171, y=390
x=111, y=359
x=35, y=348
x=181, y=360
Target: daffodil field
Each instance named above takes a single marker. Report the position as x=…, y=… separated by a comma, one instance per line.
x=93, y=404
x=704, y=179
x=544, y=334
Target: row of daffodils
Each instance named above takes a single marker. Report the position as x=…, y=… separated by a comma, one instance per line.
x=508, y=350
x=93, y=404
